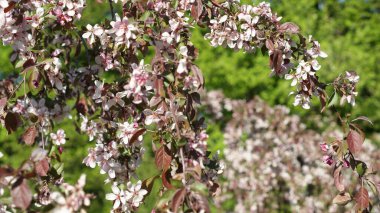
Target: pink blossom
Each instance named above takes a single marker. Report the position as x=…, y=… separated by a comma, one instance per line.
x=59, y=138
x=324, y=147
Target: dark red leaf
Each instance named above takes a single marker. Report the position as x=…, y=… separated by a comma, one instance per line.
x=10, y=7
x=178, y=199
x=163, y=158
x=289, y=27
x=362, y=199
x=136, y=136
x=28, y=63
x=6, y=171
x=196, y=10
x=159, y=87
x=198, y=74
x=165, y=176
x=42, y=167
x=12, y=121
x=355, y=141
x=214, y=188
x=276, y=61
x=81, y=106
x=196, y=97
x=29, y=135
x=21, y=194
x=269, y=44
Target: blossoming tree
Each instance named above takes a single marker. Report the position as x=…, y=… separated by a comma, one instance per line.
x=156, y=96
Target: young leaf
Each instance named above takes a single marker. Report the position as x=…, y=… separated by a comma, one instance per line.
x=362, y=199
x=30, y=135
x=178, y=199
x=163, y=158
x=363, y=118
x=338, y=179
x=289, y=27
x=342, y=198
x=355, y=141
x=333, y=100
x=42, y=167
x=361, y=168
x=21, y=194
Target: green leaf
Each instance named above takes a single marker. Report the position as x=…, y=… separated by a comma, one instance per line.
x=59, y=168
x=148, y=184
x=35, y=81
x=333, y=100
x=361, y=168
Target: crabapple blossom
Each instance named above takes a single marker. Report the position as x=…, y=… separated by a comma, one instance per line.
x=126, y=131
x=137, y=193
x=93, y=31
x=123, y=30
x=59, y=138
x=118, y=197
x=115, y=99
x=316, y=51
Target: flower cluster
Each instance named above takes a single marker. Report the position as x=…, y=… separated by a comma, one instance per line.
x=72, y=198
x=250, y=28
x=128, y=199
x=346, y=87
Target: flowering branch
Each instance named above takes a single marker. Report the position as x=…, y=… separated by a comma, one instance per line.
x=159, y=97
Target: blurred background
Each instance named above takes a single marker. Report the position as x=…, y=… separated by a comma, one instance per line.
x=348, y=30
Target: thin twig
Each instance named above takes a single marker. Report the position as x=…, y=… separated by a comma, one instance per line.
x=183, y=166
x=17, y=87
x=43, y=141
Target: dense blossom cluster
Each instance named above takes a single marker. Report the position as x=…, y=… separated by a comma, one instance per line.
x=251, y=28
x=120, y=96
x=275, y=158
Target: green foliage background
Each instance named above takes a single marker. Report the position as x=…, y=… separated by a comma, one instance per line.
x=348, y=30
